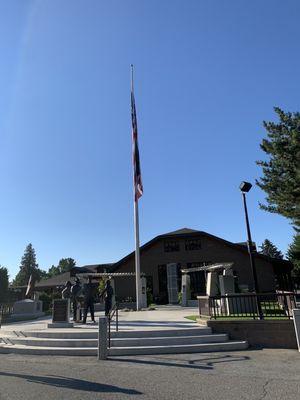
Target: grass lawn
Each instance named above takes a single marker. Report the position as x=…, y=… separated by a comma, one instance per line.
x=239, y=318
x=192, y=317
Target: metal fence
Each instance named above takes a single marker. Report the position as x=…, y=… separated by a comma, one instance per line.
x=6, y=309
x=245, y=305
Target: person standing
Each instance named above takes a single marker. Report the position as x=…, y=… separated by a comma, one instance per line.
x=108, y=292
x=75, y=292
x=88, y=292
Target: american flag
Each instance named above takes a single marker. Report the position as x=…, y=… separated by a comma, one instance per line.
x=138, y=185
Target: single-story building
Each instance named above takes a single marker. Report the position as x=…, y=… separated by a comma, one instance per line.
x=188, y=249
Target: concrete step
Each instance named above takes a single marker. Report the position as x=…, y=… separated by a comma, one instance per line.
x=93, y=333
x=182, y=349
x=119, y=342
x=122, y=351
x=167, y=341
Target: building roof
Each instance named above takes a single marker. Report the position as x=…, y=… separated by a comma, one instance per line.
x=189, y=233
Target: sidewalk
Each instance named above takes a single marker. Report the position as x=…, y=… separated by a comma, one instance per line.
x=163, y=317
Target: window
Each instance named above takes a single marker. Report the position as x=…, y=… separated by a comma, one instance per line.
x=171, y=245
x=192, y=244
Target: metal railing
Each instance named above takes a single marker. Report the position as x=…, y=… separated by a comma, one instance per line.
x=6, y=309
x=113, y=312
x=245, y=305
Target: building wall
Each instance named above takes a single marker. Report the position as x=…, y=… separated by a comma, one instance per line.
x=212, y=251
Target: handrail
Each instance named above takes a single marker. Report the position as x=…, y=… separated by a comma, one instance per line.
x=113, y=311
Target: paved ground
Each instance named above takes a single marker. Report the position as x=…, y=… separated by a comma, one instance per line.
x=164, y=317
x=251, y=375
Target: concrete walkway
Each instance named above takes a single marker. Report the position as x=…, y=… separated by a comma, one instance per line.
x=163, y=317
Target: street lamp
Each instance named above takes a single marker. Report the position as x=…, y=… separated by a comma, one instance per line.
x=245, y=187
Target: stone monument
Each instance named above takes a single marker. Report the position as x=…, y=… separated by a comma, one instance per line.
x=61, y=314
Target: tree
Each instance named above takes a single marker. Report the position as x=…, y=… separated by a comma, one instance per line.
x=269, y=249
x=281, y=176
x=3, y=285
x=64, y=265
x=293, y=255
x=28, y=267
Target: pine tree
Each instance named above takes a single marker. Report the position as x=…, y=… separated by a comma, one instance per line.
x=281, y=176
x=293, y=255
x=28, y=267
x=269, y=249
x=3, y=285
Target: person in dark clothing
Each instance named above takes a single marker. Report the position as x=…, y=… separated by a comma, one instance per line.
x=75, y=292
x=108, y=292
x=88, y=292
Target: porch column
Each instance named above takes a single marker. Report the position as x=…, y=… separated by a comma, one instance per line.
x=172, y=283
x=185, y=289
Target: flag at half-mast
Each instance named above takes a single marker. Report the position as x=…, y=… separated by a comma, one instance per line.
x=137, y=175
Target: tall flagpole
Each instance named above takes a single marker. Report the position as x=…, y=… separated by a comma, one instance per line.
x=137, y=233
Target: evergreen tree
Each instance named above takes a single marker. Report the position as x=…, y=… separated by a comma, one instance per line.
x=281, y=176
x=293, y=255
x=28, y=267
x=3, y=285
x=269, y=249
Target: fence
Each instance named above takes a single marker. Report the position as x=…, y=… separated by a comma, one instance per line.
x=273, y=305
x=6, y=309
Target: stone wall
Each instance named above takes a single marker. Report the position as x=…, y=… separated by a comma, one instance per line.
x=273, y=334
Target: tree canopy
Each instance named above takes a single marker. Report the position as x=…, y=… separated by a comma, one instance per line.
x=269, y=249
x=64, y=265
x=281, y=175
x=293, y=254
x=3, y=285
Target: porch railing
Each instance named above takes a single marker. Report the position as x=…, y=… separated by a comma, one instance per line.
x=6, y=309
x=245, y=305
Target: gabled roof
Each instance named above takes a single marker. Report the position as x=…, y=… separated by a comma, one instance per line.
x=187, y=232
x=182, y=231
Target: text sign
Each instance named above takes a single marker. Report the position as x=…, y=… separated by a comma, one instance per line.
x=60, y=310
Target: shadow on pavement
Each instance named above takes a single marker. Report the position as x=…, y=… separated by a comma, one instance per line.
x=202, y=363
x=71, y=383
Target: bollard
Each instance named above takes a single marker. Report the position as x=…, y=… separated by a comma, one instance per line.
x=102, y=339
x=296, y=315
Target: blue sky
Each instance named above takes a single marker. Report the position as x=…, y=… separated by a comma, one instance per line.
x=207, y=73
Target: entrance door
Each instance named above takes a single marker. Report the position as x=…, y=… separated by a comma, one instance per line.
x=162, y=284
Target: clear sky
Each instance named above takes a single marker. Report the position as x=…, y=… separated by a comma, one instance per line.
x=207, y=73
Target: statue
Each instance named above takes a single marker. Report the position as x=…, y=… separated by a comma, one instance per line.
x=88, y=290
x=66, y=293
x=30, y=287
x=108, y=292
x=75, y=297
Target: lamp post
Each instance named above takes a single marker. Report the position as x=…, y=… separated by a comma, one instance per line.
x=245, y=187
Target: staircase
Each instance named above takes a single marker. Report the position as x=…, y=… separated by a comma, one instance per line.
x=84, y=342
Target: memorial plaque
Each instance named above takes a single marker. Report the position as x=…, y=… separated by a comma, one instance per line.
x=61, y=310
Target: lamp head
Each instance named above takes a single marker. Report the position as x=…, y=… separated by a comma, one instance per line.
x=245, y=186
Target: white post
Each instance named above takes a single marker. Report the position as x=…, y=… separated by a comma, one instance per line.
x=296, y=315
x=137, y=256
x=102, y=339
